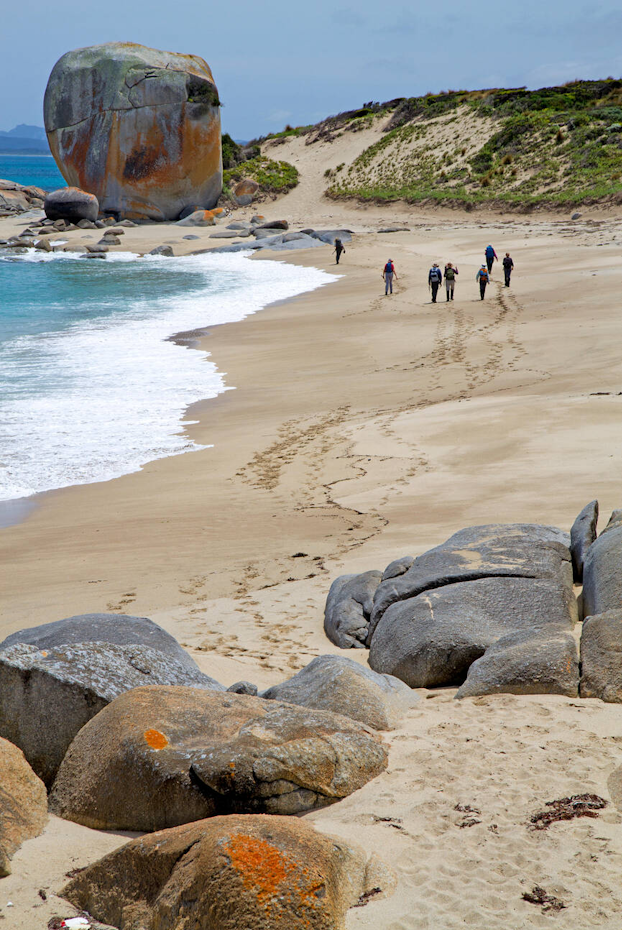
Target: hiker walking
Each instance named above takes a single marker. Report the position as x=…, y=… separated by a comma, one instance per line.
x=339, y=248
x=450, y=280
x=387, y=274
x=508, y=266
x=491, y=256
x=483, y=277
x=435, y=279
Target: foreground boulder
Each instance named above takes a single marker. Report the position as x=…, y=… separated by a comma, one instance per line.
x=121, y=629
x=23, y=803
x=344, y=687
x=47, y=695
x=348, y=609
x=138, y=127
x=582, y=535
x=250, y=872
x=601, y=657
x=159, y=757
x=72, y=205
x=602, y=577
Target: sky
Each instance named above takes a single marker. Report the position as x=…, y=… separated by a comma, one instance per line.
x=285, y=61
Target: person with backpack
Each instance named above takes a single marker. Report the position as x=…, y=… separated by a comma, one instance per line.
x=435, y=279
x=483, y=277
x=491, y=256
x=450, y=280
x=508, y=265
x=388, y=274
x=339, y=248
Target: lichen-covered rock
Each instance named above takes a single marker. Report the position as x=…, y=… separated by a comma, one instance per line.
x=71, y=204
x=159, y=757
x=199, y=218
x=342, y=686
x=247, y=186
x=47, y=695
x=23, y=803
x=137, y=127
x=601, y=657
x=230, y=873
x=348, y=609
x=582, y=535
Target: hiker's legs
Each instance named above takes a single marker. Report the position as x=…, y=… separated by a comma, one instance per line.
x=507, y=278
x=482, y=289
x=435, y=287
x=388, y=284
x=489, y=262
x=450, y=290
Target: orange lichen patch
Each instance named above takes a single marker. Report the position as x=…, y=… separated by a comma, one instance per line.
x=155, y=739
x=218, y=211
x=269, y=872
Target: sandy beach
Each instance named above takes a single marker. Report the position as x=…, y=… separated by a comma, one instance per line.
x=363, y=428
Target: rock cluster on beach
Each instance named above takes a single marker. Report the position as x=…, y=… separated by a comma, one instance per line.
x=17, y=198
x=493, y=610
x=137, y=127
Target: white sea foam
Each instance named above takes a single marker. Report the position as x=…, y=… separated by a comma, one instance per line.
x=107, y=395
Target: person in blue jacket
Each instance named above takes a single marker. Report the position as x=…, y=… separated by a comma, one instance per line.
x=491, y=256
x=483, y=277
x=435, y=279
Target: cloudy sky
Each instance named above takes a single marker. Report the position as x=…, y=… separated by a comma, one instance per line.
x=287, y=61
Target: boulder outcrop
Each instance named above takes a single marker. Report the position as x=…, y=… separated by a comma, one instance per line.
x=23, y=803
x=137, y=127
x=582, y=535
x=342, y=686
x=251, y=872
x=157, y=757
x=601, y=657
x=18, y=198
x=348, y=609
x=71, y=204
x=602, y=577
x=47, y=695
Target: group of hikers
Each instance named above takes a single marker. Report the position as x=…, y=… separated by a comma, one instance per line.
x=449, y=275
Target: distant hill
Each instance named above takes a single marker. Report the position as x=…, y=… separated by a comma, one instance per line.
x=24, y=140
x=554, y=145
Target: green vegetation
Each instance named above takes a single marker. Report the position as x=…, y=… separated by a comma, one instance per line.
x=272, y=176
x=557, y=144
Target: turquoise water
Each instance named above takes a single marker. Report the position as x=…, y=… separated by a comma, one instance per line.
x=91, y=385
x=37, y=170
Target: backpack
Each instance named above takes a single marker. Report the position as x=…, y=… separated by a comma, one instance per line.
x=490, y=251
x=435, y=275
x=483, y=275
x=450, y=274
x=388, y=268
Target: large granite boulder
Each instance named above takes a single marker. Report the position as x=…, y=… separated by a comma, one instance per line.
x=137, y=127
x=526, y=662
x=433, y=639
x=602, y=570
x=71, y=204
x=348, y=609
x=601, y=657
x=229, y=873
x=121, y=629
x=582, y=535
x=48, y=694
x=498, y=551
x=159, y=757
x=343, y=686
x=23, y=803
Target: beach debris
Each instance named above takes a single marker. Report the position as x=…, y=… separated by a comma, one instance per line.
x=225, y=753
x=394, y=229
x=547, y=902
x=273, y=873
x=579, y=805
x=469, y=821
x=140, y=165
x=42, y=894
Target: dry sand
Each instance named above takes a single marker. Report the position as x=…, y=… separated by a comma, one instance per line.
x=363, y=428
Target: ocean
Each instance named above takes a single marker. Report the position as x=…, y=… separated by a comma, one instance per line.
x=91, y=385
x=37, y=170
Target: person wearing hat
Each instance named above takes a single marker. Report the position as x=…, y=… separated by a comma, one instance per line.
x=435, y=278
x=450, y=280
x=483, y=277
x=387, y=274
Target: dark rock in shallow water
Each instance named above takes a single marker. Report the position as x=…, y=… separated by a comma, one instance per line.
x=48, y=694
x=602, y=570
x=348, y=609
x=582, y=535
x=165, y=250
x=246, y=872
x=159, y=757
x=601, y=657
x=342, y=686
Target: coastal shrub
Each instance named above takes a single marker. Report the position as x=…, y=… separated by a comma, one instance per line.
x=272, y=176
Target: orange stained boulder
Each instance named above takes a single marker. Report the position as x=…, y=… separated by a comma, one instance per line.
x=137, y=127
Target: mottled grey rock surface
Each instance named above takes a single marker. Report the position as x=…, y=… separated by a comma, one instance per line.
x=602, y=570
x=159, y=757
x=348, y=609
x=582, y=535
x=342, y=686
x=71, y=204
x=601, y=657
